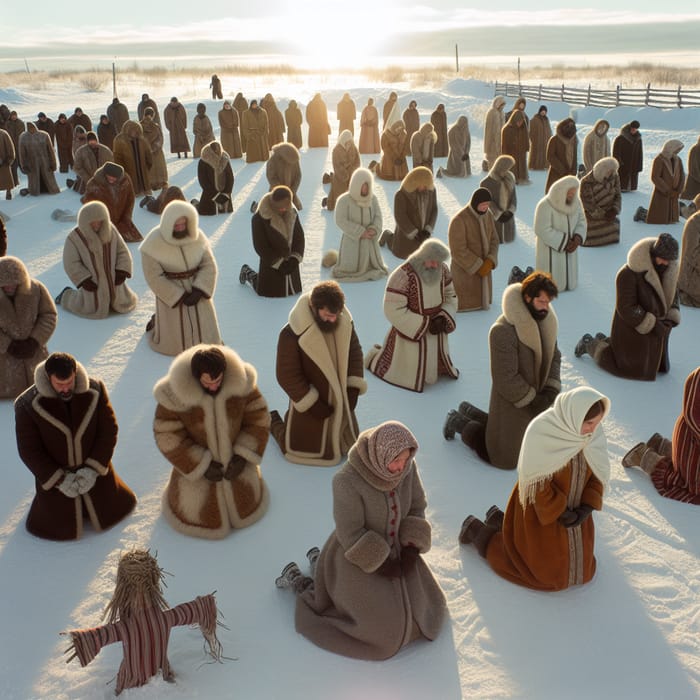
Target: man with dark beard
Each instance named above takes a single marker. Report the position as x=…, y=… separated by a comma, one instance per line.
x=319, y=366
x=525, y=362
x=646, y=309
x=66, y=435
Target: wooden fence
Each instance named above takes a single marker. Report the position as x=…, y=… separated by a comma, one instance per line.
x=640, y=97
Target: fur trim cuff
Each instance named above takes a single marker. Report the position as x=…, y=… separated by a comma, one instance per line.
x=415, y=531
x=527, y=399
x=55, y=478
x=647, y=325
x=357, y=383
x=308, y=401
x=94, y=464
x=369, y=552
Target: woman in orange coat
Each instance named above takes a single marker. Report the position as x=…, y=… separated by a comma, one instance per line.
x=545, y=538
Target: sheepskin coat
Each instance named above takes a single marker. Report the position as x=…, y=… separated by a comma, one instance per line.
x=495, y=121
x=175, y=118
x=346, y=160
x=411, y=120
x=294, y=119
x=141, y=107
x=284, y=168
x=79, y=139
x=415, y=210
x=515, y=142
x=119, y=199
x=216, y=179
x=423, y=146
x=459, y=140
x=596, y=145
x=390, y=110
x=392, y=165
x=309, y=368
x=82, y=120
x=524, y=359
x=668, y=179
x=133, y=153
x=118, y=114
x=255, y=131
x=158, y=172
x=636, y=348
x=351, y=609
x=317, y=119
x=689, y=275
x=173, y=268
x=628, y=151
x=203, y=133
x=692, y=181
x=240, y=104
x=53, y=441
x=346, y=113
x=29, y=313
x=500, y=182
x=359, y=258
x=369, y=129
x=275, y=120
x=562, y=157
x=7, y=158
x=602, y=203
x=411, y=355
x=540, y=133
x=192, y=428
x=38, y=161
x=556, y=223
x=229, y=133
x=96, y=256
x=439, y=121
x=88, y=160
x=64, y=144
x=473, y=240
x=276, y=238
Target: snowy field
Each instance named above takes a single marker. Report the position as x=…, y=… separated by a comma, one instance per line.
x=631, y=633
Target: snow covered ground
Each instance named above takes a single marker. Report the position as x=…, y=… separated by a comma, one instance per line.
x=631, y=633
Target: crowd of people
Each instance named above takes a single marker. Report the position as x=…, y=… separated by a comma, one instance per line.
x=370, y=592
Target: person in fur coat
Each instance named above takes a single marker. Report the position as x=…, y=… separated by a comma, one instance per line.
x=668, y=179
x=493, y=125
x=545, y=539
x=8, y=155
x=118, y=114
x=294, y=118
x=692, y=180
x=359, y=217
x=390, y=111
x=240, y=104
x=98, y=263
x=423, y=146
x=369, y=129
x=346, y=113
x=66, y=434
x=229, y=133
x=439, y=121
x=180, y=269
x=158, y=173
x=346, y=160
x=371, y=592
x=212, y=425
x=275, y=120
x=420, y=303
x=15, y=127
x=392, y=165
x=411, y=119
x=278, y=238
x=515, y=142
x=105, y=132
x=596, y=145
x=500, y=182
x=562, y=149
x=560, y=228
x=175, y=118
x=474, y=250
x=525, y=373
x=79, y=138
x=689, y=275
x=202, y=129
x=460, y=143
x=133, y=153
x=415, y=212
x=646, y=310
x=319, y=367
x=255, y=131
x=628, y=150
x=37, y=159
x=284, y=168
x=88, y=159
x=64, y=143
x=112, y=186
x=146, y=102
x=317, y=119
x=540, y=133
x=216, y=179
x=27, y=322
x=602, y=202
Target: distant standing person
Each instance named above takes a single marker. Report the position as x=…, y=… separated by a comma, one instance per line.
x=495, y=121
x=596, y=144
x=7, y=157
x=369, y=129
x=175, y=118
x=411, y=118
x=628, y=149
x=240, y=104
x=146, y=101
x=38, y=160
x=515, y=142
x=390, y=111
x=202, y=129
x=668, y=179
x=229, y=134
x=255, y=133
x=133, y=153
x=215, y=85
x=15, y=128
x=275, y=120
x=118, y=114
x=158, y=173
x=64, y=143
x=346, y=114
x=439, y=121
x=562, y=156
x=540, y=133
x=692, y=182
x=294, y=119
x=317, y=119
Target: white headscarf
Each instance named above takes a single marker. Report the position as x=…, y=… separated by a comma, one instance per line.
x=554, y=437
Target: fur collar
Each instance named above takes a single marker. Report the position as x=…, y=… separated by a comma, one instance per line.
x=557, y=195
x=671, y=148
x=43, y=383
x=500, y=170
x=639, y=261
x=283, y=224
x=216, y=161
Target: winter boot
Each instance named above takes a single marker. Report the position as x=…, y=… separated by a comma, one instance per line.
x=584, y=345
x=8, y=194
x=69, y=183
x=494, y=518
x=477, y=533
x=312, y=555
x=660, y=444
x=148, y=198
x=292, y=577
x=253, y=207
x=324, y=202
x=516, y=275
x=601, y=336
x=326, y=179
x=23, y=192
x=472, y=412
x=454, y=423
x=247, y=274
x=386, y=236
x=640, y=214
x=59, y=296
x=634, y=457
x=151, y=323
x=473, y=433
x=649, y=461
x=372, y=165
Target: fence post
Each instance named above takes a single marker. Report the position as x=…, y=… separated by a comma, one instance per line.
x=617, y=96
x=562, y=92
x=588, y=97
x=679, y=101
x=539, y=94
x=646, y=99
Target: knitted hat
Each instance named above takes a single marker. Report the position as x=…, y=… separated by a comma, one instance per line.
x=113, y=169
x=666, y=247
x=481, y=194
x=634, y=124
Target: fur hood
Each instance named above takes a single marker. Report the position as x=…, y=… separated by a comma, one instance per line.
x=43, y=383
x=432, y=249
x=397, y=127
x=671, y=148
x=359, y=178
x=520, y=104
x=500, y=170
x=180, y=391
x=565, y=125
x=100, y=177
x=601, y=123
x=288, y=152
x=557, y=195
x=427, y=130
x=95, y=211
x=418, y=177
x=131, y=129
x=639, y=261
x=462, y=123
x=517, y=118
x=498, y=102
x=32, y=128
x=604, y=168
x=164, y=231
x=13, y=272
x=215, y=156
x=345, y=138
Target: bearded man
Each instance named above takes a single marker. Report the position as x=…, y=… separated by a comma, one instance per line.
x=212, y=425
x=319, y=366
x=420, y=302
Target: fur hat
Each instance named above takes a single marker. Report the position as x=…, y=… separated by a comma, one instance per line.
x=113, y=169
x=666, y=247
x=12, y=272
x=330, y=258
x=634, y=124
x=432, y=249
